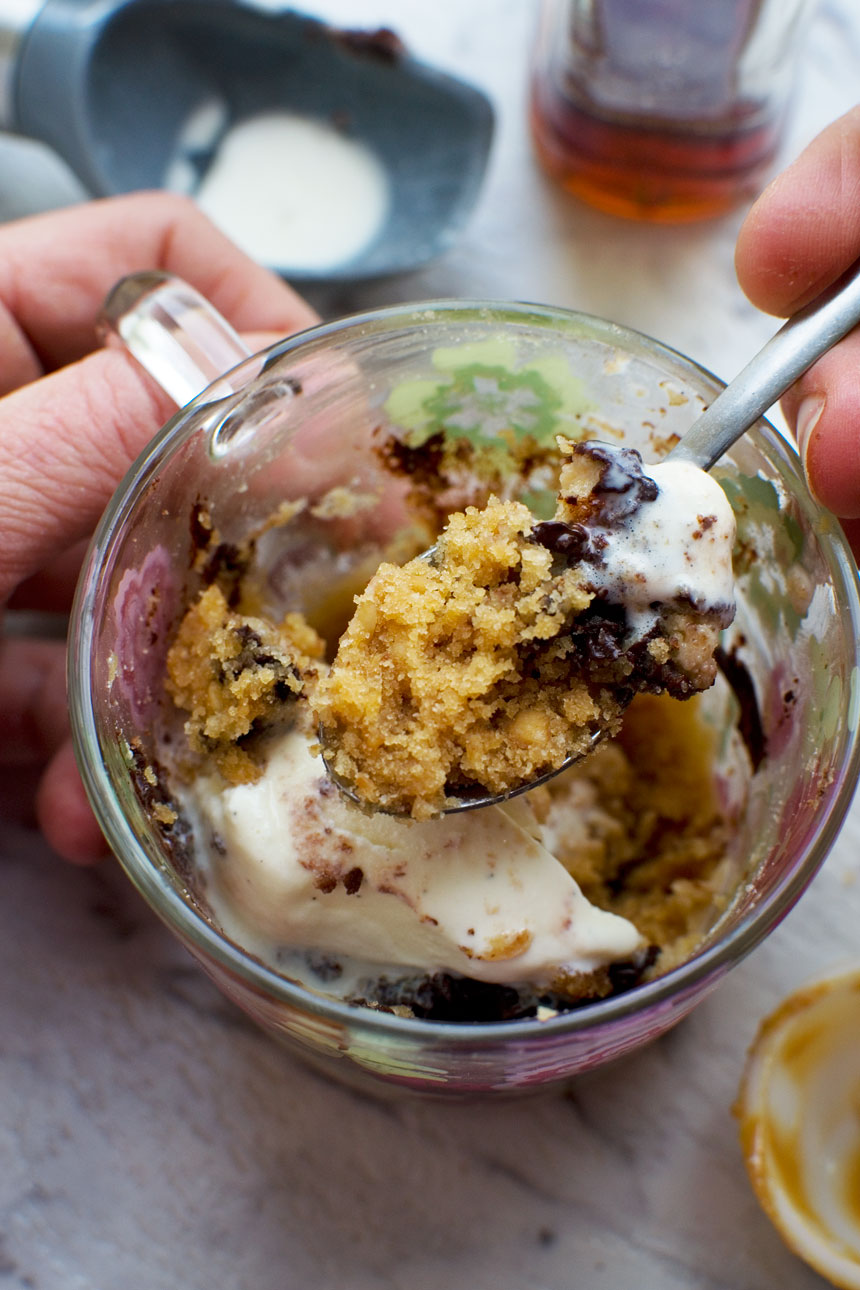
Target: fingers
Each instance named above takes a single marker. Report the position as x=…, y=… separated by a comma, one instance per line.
x=52, y=589
x=65, y=442
x=56, y=269
x=823, y=407
x=67, y=439
x=33, y=712
x=801, y=235
x=804, y=230
x=35, y=725
x=18, y=360
x=64, y=814
x=852, y=532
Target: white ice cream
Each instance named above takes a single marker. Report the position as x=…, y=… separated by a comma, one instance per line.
x=675, y=548
x=474, y=893
x=295, y=192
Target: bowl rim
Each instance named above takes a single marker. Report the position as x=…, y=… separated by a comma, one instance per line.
x=199, y=935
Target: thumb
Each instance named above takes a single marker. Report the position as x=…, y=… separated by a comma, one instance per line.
x=824, y=409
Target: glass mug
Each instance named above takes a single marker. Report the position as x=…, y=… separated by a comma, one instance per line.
x=301, y=417
x=663, y=109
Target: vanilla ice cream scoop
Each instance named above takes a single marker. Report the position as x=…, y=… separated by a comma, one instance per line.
x=478, y=895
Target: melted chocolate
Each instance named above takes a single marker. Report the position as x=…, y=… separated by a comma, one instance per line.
x=750, y=725
x=445, y=996
x=623, y=486
x=573, y=541
x=619, y=492
x=598, y=633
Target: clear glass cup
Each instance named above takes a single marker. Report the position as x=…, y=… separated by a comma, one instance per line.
x=306, y=416
x=667, y=110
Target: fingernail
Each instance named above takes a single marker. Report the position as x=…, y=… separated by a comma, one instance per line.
x=808, y=415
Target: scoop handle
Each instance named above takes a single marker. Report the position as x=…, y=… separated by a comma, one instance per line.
x=787, y=355
x=175, y=334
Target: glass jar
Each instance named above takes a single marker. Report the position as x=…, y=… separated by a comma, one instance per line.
x=663, y=109
x=303, y=416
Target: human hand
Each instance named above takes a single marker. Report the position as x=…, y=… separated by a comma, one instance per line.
x=73, y=417
x=801, y=235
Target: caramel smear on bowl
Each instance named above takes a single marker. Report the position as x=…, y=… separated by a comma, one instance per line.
x=799, y=1113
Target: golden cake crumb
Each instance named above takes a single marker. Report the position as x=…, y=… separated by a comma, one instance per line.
x=491, y=662
x=481, y=664
x=452, y=671
x=638, y=825
x=232, y=672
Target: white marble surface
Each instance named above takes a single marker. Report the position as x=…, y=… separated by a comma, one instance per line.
x=151, y=1138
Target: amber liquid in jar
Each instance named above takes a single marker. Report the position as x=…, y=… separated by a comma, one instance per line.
x=693, y=147
x=650, y=172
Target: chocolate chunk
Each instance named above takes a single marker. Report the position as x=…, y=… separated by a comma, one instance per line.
x=573, y=541
x=352, y=880
x=623, y=486
x=750, y=725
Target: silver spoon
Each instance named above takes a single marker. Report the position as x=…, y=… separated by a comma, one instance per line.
x=783, y=359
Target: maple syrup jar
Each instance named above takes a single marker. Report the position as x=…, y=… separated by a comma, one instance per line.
x=667, y=110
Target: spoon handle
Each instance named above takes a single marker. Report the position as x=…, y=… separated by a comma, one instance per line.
x=785, y=357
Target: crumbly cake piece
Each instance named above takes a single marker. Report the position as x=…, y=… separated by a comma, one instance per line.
x=639, y=827
x=236, y=674
x=490, y=664
x=454, y=672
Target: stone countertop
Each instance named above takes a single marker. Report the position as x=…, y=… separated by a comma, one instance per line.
x=152, y=1138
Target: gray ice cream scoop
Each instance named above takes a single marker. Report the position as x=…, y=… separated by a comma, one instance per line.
x=111, y=86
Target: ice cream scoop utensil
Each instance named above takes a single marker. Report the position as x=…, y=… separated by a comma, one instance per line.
x=138, y=94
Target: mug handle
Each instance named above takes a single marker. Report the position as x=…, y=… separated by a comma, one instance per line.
x=175, y=334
